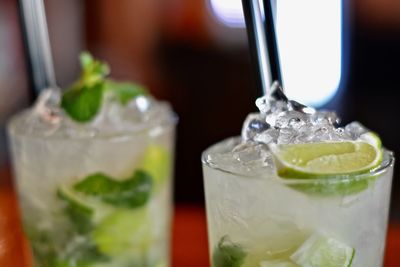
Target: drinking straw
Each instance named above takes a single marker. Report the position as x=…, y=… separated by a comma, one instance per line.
x=272, y=42
x=262, y=42
x=37, y=45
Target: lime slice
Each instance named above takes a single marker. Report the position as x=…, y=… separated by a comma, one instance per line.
x=372, y=138
x=322, y=251
x=81, y=204
x=157, y=162
x=75, y=199
x=277, y=263
x=312, y=160
x=78, y=209
x=124, y=231
x=336, y=159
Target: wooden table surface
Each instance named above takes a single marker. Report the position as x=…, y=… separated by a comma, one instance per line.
x=189, y=236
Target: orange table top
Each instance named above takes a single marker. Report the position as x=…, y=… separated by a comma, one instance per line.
x=189, y=236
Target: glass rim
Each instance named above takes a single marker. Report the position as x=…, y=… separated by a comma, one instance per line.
x=387, y=162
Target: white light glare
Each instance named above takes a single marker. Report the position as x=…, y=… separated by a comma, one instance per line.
x=229, y=12
x=309, y=36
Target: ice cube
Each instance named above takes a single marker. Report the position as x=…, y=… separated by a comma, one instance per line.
x=322, y=133
x=287, y=136
x=269, y=136
x=47, y=106
x=293, y=105
x=274, y=101
x=277, y=92
x=254, y=124
x=355, y=129
x=252, y=154
x=263, y=104
x=271, y=106
x=291, y=119
x=342, y=134
x=141, y=103
x=325, y=117
x=304, y=135
x=285, y=121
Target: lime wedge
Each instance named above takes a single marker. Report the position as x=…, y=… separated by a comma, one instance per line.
x=75, y=200
x=124, y=231
x=313, y=160
x=372, y=138
x=277, y=263
x=83, y=211
x=341, y=160
x=77, y=209
x=157, y=162
x=322, y=251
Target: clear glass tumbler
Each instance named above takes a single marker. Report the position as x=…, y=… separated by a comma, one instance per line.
x=95, y=200
x=259, y=219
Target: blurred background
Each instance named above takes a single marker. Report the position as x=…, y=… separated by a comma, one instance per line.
x=342, y=55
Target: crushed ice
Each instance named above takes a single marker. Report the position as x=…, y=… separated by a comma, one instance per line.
x=285, y=121
x=47, y=118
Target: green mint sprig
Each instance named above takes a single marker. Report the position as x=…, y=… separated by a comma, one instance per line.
x=85, y=198
x=84, y=206
x=129, y=193
x=125, y=91
x=83, y=100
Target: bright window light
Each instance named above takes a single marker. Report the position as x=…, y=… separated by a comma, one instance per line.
x=309, y=36
x=229, y=12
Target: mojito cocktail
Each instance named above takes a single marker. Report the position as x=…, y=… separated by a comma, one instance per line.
x=93, y=170
x=297, y=191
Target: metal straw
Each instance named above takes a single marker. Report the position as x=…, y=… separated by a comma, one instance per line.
x=37, y=45
x=262, y=42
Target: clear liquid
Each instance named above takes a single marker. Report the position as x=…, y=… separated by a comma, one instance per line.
x=42, y=165
x=270, y=220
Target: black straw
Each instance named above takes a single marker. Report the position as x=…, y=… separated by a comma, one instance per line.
x=262, y=42
x=37, y=45
x=272, y=42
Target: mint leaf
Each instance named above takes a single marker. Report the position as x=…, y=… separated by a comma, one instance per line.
x=130, y=193
x=97, y=184
x=93, y=71
x=82, y=101
x=82, y=104
x=228, y=254
x=135, y=192
x=125, y=91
